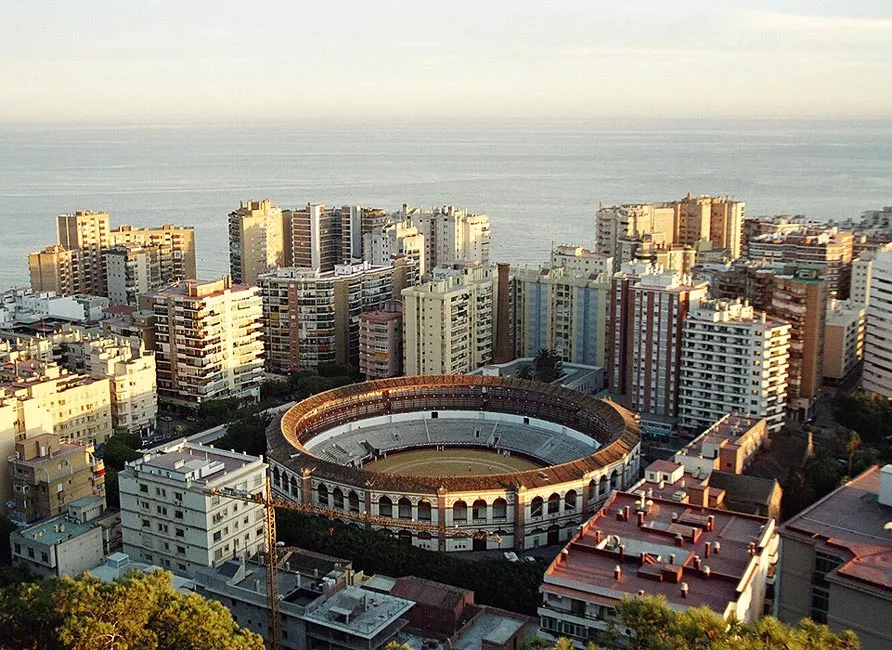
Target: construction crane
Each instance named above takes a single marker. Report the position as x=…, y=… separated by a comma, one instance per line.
x=271, y=502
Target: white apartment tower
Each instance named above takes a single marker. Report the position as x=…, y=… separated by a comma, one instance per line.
x=170, y=519
x=448, y=325
x=208, y=341
x=733, y=360
x=877, y=377
x=452, y=235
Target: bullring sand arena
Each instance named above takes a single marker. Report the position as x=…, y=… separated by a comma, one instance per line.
x=446, y=462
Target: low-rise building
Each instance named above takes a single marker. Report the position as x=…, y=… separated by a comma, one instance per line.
x=170, y=516
x=117, y=565
x=591, y=380
x=836, y=561
x=68, y=544
x=729, y=445
x=692, y=555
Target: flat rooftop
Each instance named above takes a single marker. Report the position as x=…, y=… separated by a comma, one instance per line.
x=668, y=549
x=56, y=530
x=184, y=461
x=850, y=522
x=490, y=625
x=727, y=431
x=359, y=612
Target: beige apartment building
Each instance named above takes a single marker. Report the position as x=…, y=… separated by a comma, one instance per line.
x=385, y=243
x=88, y=232
x=644, y=340
x=696, y=221
x=448, y=325
x=131, y=270
x=175, y=247
x=451, y=235
x=208, y=341
x=734, y=360
x=581, y=261
x=56, y=269
x=79, y=405
x=49, y=474
x=311, y=318
x=834, y=561
x=256, y=240
x=843, y=340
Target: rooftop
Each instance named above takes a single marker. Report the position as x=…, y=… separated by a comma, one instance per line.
x=850, y=522
x=359, y=612
x=189, y=461
x=55, y=530
x=727, y=432
x=428, y=592
x=118, y=564
x=658, y=545
x=490, y=625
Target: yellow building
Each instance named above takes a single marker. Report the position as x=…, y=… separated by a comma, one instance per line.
x=256, y=240
x=175, y=248
x=56, y=269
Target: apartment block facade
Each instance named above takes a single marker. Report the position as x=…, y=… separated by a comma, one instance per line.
x=448, y=325
x=877, y=377
x=48, y=475
x=174, y=248
x=171, y=517
x=843, y=341
x=645, y=324
x=734, y=360
x=256, y=240
x=451, y=235
x=381, y=341
x=313, y=317
x=131, y=270
x=208, y=342
x=563, y=311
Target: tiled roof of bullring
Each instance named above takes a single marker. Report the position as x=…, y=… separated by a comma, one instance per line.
x=617, y=430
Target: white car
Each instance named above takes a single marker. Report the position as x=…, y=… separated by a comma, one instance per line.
x=511, y=556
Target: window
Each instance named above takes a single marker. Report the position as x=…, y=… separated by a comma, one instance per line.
x=144, y=488
x=146, y=523
x=181, y=550
x=554, y=504
x=30, y=552
x=179, y=532
x=18, y=547
x=218, y=536
x=178, y=514
x=536, y=507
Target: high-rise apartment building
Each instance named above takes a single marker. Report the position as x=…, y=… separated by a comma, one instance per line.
x=733, y=360
x=877, y=377
x=170, y=519
x=49, y=474
x=827, y=247
x=385, y=243
x=174, y=246
x=311, y=318
x=448, y=325
x=256, y=240
x=381, y=341
x=88, y=232
x=56, y=269
x=862, y=274
x=208, y=341
x=644, y=340
x=843, y=341
x=699, y=222
x=800, y=298
x=563, y=311
x=131, y=270
x=451, y=235
x=140, y=257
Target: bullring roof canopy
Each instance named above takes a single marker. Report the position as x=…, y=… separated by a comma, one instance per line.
x=612, y=426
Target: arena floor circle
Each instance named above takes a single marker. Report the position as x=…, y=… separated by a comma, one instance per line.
x=450, y=462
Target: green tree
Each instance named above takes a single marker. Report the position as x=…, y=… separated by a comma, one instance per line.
x=853, y=444
x=823, y=471
x=139, y=611
x=247, y=434
x=121, y=448
x=6, y=527
x=798, y=495
x=525, y=371
x=547, y=365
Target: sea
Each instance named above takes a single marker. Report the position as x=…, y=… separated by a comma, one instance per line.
x=540, y=182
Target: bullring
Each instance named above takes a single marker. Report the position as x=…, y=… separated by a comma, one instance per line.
x=320, y=450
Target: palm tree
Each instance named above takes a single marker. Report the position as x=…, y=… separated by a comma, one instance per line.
x=547, y=365
x=525, y=372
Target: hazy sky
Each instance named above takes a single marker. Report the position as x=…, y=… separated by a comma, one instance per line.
x=418, y=59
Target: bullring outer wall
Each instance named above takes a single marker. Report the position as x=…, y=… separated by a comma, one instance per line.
x=526, y=509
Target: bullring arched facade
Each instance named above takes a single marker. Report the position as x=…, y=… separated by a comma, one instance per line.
x=514, y=511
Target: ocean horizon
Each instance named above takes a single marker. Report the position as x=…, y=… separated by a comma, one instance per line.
x=540, y=182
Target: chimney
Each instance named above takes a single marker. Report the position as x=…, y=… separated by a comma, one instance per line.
x=622, y=552
x=710, y=523
x=706, y=572
x=674, y=517
x=628, y=511
x=679, y=540
x=684, y=589
x=672, y=558
x=617, y=573
x=698, y=563
x=640, y=520
x=598, y=536
x=708, y=549
x=717, y=547
x=641, y=593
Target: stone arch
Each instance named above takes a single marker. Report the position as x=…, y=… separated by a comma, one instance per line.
x=385, y=507
x=424, y=510
x=322, y=495
x=603, y=486
x=570, y=500
x=337, y=498
x=293, y=486
x=592, y=490
x=353, y=501
x=277, y=477
x=404, y=507
x=499, y=508
x=459, y=511
x=536, y=507
x=479, y=509
x=554, y=503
